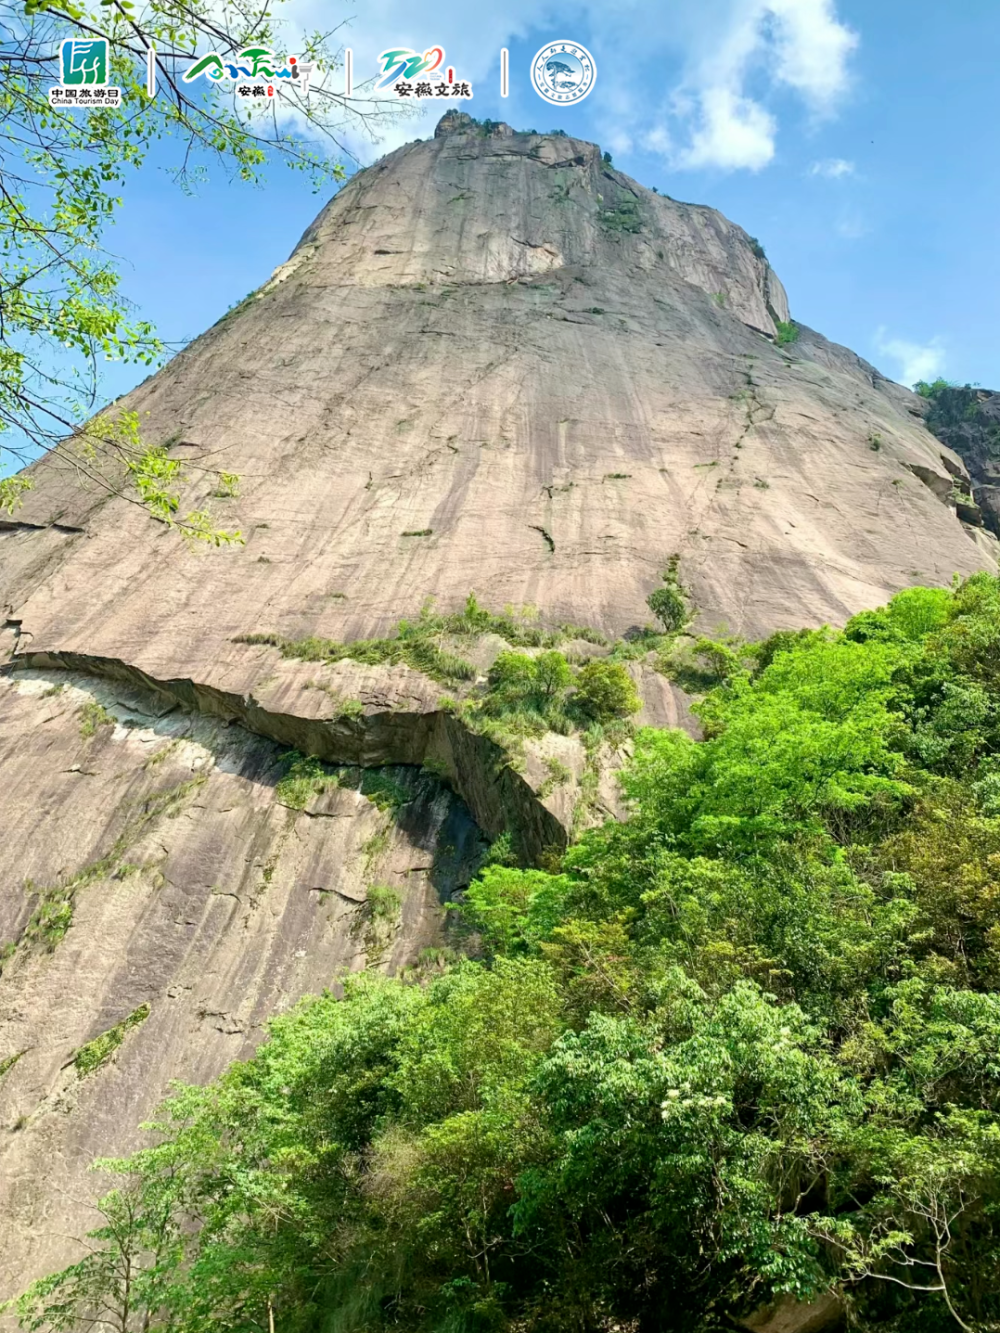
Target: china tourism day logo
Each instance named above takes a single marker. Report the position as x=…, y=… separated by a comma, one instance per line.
x=563, y=72
x=253, y=64
x=407, y=72
x=83, y=63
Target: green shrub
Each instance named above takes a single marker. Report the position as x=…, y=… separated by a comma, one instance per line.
x=528, y=688
x=378, y=920
x=420, y=643
x=931, y=390
x=668, y=603
x=764, y=652
x=787, y=332
x=605, y=691
x=552, y=673
x=705, y=664
x=558, y=776
x=227, y=486
x=669, y=607
x=9, y=1061
x=514, y=909
x=625, y=216
x=514, y=672
x=502, y=851
x=92, y=716
x=383, y=790
x=384, y=903
x=99, y=1051
x=303, y=777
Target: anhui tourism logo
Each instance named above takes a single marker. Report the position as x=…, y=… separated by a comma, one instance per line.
x=563, y=72
x=84, y=67
x=253, y=64
x=406, y=72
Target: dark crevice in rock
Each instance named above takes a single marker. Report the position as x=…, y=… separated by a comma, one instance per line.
x=970, y=513
x=18, y=525
x=14, y=627
x=546, y=537
x=953, y=490
x=478, y=769
x=941, y=486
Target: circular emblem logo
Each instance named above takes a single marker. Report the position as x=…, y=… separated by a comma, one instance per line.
x=563, y=72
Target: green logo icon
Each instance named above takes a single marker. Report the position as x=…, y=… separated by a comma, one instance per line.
x=85, y=62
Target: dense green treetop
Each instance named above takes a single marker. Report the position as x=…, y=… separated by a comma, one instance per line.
x=745, y=1043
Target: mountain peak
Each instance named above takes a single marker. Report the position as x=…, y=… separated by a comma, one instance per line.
x=457, y=122
x=492, y=363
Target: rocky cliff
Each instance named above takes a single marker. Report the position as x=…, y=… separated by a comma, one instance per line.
x=967, y=420
x=493, y=363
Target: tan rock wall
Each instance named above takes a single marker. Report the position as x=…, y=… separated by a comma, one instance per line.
x=567, y=380
x=200, y=895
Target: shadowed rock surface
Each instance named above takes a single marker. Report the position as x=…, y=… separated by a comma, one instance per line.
x=492, y=363
x=187, y=884
x=967, y=419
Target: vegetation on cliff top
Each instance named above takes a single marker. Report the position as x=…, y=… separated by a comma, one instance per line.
x=743, y=1044
x=523, y=694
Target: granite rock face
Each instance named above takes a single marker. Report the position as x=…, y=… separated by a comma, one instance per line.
x=557, y=376
x=493, y=363
x=967, y=420
x=162, y=839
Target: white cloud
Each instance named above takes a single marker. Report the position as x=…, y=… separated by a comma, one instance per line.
x=799, y=44
x=619, y=141
x=732, y=132
x=812, y=48
x=916, y=361
x=729, y=54
x=833, y=168
x=657, y=140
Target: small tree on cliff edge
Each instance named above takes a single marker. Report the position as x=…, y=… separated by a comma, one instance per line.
x=668, y=603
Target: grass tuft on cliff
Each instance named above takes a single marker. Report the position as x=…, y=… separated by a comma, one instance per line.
x=99, y=1051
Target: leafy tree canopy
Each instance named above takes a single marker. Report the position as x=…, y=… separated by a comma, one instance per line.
x=741, y=1045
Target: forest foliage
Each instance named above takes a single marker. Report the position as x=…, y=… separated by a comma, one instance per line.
x=744, y=1044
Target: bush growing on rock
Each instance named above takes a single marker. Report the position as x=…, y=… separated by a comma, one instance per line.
x=606, y=691
x=668, y=606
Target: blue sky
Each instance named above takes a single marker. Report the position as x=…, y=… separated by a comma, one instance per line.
x=855, y=139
